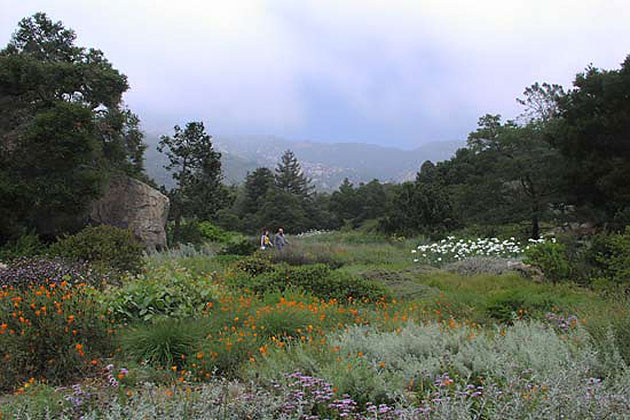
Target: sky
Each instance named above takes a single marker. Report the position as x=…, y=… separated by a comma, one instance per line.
x=392, y=72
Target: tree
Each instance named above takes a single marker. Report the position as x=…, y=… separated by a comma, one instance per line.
x=343, y=202
x=419, y=208
x=290, y=178
x=280, y=208
x=541, y=102
x=60, y=109
x=522, y=167
x=594, y=138
x=196, y=168
x=257, y=184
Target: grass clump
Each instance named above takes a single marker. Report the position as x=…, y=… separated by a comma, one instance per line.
x=164, y=343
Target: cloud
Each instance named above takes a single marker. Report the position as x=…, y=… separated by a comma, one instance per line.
x=398, y=72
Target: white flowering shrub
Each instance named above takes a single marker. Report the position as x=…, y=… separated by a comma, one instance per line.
x=453, y=249
x=313, y=232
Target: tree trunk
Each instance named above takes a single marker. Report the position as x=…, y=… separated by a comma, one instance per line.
x=535, y=222
x=176, y=229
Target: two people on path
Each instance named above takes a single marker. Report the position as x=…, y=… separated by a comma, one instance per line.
x=279, y=240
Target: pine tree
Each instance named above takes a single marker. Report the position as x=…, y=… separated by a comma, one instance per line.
x=196, y=168
x=290, y=178
x=257, y=184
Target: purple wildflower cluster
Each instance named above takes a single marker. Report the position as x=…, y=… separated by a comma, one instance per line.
x=79, y=397
x=309, y=397
x=111, y=376
x=561, y=322
x=305, y=392
x=37, y=270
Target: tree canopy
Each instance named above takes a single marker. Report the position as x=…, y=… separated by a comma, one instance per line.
x=63, y=128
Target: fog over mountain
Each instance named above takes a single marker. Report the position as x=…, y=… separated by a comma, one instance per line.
x=327, y=164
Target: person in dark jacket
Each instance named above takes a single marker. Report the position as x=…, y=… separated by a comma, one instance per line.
x=280, y=240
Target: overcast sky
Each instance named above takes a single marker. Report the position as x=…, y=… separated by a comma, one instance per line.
x=390, y=72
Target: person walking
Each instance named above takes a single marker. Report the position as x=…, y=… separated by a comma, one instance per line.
x=280, y=240
x=265, y=240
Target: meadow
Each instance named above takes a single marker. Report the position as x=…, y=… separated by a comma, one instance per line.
x=338, y=325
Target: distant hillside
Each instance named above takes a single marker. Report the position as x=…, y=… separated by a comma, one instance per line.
x=326, y=163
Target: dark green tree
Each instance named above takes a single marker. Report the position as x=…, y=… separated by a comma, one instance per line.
x=280, y=208
x=290, y=178
x=60, y=111
x=521, y=168
x=594, y=138
x=420, y=208
x=256, y=185
x=196, y=169
x=343, y=202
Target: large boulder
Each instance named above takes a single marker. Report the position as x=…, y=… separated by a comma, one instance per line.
x=130, y=204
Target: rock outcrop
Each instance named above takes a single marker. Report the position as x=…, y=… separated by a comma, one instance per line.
x=130, y=204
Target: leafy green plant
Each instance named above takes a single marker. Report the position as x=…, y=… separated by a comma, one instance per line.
x=213, y=233
x=551, y=258
x=161, y=292
x=103, y=246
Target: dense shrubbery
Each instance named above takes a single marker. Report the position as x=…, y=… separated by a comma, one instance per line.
x=106, y=247
x=317, y=279
x=50, y=331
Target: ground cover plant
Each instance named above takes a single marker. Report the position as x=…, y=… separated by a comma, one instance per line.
x=199, y=335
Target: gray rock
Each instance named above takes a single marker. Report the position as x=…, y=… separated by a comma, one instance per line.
x=130, y=204
x=527, y=271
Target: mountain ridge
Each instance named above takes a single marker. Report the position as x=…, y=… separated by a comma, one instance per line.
x=327, y=164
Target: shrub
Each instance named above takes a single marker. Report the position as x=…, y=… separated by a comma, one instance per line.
x=239, y=245
x=51, y=331
x=258, y=263
x=46, y=270
x=459, y=372
x=103, y=246
x=164, y=343
x=610, y=257
x=161, y=292
x=551, y=258
x=213, y=233
x=511, y=305
x=318, y=280
x=26, y=245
